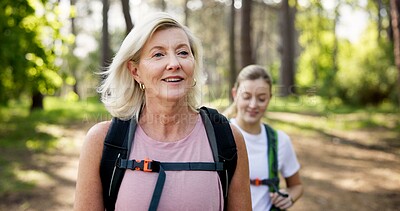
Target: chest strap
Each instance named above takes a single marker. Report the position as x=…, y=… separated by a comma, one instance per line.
x=273, y=182
x=148, y=165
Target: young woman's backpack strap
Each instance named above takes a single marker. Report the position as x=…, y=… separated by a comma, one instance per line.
x=272, y=157
x=272, y=154
x=273, y=180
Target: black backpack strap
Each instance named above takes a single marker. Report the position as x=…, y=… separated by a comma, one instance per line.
x=210, y=133
x=272, y=183
x=160, y=167
x=226, y=147
x=116, y=147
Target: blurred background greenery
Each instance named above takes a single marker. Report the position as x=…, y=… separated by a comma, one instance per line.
x=338, y=50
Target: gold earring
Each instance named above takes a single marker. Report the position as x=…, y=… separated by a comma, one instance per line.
x=142, y=87
x=195, y=82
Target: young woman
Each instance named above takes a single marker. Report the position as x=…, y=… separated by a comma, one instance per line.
x=156, y=78
x=252, y=94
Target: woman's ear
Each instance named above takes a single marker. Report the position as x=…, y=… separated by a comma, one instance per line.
x=234, y=93
x=132, y=67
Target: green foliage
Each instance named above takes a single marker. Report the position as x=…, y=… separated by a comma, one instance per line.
x=15, y=118
x=356, y=73
x=367, y=74
x=317, y=38
x=25, y=136
x=29, y=30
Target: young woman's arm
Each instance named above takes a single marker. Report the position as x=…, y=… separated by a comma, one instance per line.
x=88, y=194
x=239, y=190
x=294, y=189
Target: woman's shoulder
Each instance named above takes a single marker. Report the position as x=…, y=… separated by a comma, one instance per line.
x=239, y=140
x=92, y=147
x=283, y=135
x=98, y=132
x=284, y=140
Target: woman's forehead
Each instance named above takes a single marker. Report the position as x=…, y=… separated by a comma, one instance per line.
x=254, y=84
x=174, y=33
x=254, y=87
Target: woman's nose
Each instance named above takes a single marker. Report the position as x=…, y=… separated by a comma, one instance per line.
x=253, y=103
x=173, y=63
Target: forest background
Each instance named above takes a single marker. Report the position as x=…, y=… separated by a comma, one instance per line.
x=335, y=64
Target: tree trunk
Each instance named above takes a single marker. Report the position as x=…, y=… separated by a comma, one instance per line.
x=380, y=7
x=245, y=38
x=73, y=66
x=163, y=5
x=232, y=49
x=127, y=15
x=37, y=101
x=106, y=50
x=287, y=49
x=394, y=12
x=187, y=13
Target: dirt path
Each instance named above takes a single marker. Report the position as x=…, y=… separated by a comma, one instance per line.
x=352, y=170
x=338, y=176
x=55, y=184
x=340, y=171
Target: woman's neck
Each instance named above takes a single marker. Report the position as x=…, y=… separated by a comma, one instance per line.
x=167, y=124
x=252, y=128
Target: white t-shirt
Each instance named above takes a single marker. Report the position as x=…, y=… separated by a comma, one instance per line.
x=258, y=163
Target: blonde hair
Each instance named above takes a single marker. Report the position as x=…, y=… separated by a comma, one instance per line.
x=250, y=72
x=120, y=93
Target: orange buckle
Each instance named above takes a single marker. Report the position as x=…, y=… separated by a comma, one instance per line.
x=146, y=165
x=257, y=182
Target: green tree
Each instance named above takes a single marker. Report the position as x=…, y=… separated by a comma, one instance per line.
x=367, y=74
x=29, y=47
x=357, y=73
x=315, y=64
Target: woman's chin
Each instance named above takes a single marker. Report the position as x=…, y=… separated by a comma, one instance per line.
x=173, y=97
x=252, y=119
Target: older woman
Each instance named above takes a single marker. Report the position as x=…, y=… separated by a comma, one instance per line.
x=155, y=79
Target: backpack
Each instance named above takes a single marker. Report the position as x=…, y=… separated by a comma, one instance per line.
x=272, y=153
x=118, y=143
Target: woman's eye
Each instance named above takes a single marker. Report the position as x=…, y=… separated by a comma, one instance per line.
x=158, y=55
x=246, y=97
x=184, y=53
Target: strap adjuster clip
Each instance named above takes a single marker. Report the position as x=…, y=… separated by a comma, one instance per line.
x=257, y=182
x=147, y=165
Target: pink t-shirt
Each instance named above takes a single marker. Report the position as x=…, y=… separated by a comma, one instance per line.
x=183, y=190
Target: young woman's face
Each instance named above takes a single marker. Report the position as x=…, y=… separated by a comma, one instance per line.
x=166, y=65
x=252, y=98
